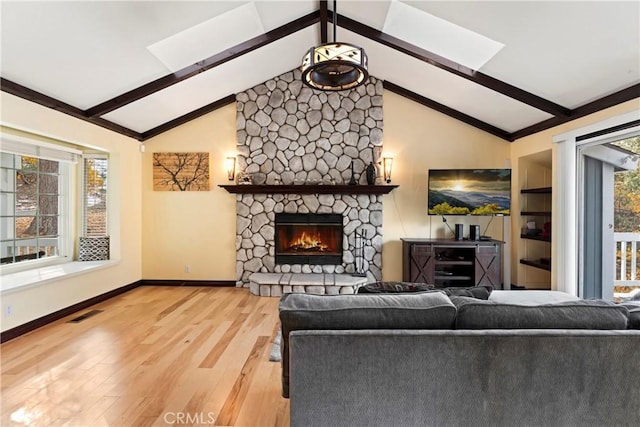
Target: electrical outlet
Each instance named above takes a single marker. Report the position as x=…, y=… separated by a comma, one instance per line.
x=8, y=310
x=187, y=268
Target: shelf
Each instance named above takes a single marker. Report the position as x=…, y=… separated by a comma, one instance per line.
x=542, y=190
x=535, y=213
x=536, y=264
x=308, y=189
x=454, y=262
x=454, y=278
x=540, y=238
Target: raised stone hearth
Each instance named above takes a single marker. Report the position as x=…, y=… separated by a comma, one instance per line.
x=276, y=284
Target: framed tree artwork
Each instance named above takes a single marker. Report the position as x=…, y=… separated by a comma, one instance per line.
x=181, y=171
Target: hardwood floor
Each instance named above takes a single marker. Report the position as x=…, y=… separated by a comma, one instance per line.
x=154, y=356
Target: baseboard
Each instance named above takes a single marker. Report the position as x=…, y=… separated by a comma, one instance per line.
x=57, y=315
x=205, y=283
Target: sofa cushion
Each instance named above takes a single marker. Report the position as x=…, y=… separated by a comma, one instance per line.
x=388, y=287
x=420, y=310
x=580, y=314
x=634, y=314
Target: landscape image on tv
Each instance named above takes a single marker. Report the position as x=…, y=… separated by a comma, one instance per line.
x=469, y=191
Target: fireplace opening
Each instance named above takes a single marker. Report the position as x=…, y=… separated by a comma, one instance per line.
x=308, y=239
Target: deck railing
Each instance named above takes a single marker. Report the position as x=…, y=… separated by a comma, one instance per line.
x=627, y=259
x=627, y=263
x=29, y=249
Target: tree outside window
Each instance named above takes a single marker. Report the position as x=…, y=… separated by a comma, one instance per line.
x=30, y=208
x=627, y=217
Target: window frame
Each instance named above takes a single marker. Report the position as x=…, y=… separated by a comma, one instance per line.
x=65, y=225
x=82, y=217
x=67, y=159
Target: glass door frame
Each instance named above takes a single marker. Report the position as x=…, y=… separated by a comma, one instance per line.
x=565, y=202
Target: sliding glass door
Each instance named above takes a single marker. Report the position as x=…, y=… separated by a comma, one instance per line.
x=598, y=162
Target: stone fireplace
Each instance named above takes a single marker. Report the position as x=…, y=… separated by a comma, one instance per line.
x=256, y=232
x=289, y=135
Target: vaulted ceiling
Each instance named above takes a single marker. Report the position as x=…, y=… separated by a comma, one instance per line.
x=143, y=67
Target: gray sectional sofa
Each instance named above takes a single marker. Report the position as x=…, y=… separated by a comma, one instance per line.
x=518, y=358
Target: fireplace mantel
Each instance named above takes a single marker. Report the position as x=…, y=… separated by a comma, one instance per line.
x=308, y=189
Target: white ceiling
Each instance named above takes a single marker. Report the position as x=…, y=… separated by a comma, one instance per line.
x=88, y=52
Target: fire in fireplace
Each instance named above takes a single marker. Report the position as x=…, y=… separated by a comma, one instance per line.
x=308, y=238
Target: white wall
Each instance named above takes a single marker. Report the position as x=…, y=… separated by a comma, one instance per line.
x=194, y=228
x=125, y=189
x=419, y=139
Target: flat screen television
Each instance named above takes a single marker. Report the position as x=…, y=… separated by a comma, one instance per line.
x=469, y=191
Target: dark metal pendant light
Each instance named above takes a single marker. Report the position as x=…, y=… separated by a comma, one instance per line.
x=334, y=66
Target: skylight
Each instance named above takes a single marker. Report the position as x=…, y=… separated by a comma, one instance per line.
x=439, y=36
x=208, y=38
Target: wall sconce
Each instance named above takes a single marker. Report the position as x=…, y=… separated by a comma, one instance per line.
x=387, y=162
x=230, y=164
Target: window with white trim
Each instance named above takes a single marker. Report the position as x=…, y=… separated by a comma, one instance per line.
x=50, y=194
x=34, y=208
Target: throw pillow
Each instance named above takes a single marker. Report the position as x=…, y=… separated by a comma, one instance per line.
x=393, y=287
x=93, y=249
x=581, y=314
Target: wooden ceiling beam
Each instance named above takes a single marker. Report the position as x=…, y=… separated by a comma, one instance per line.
x=204, y=65
x=39, y=98
x=453, y=67
x=615, y=98
x=323, y=21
